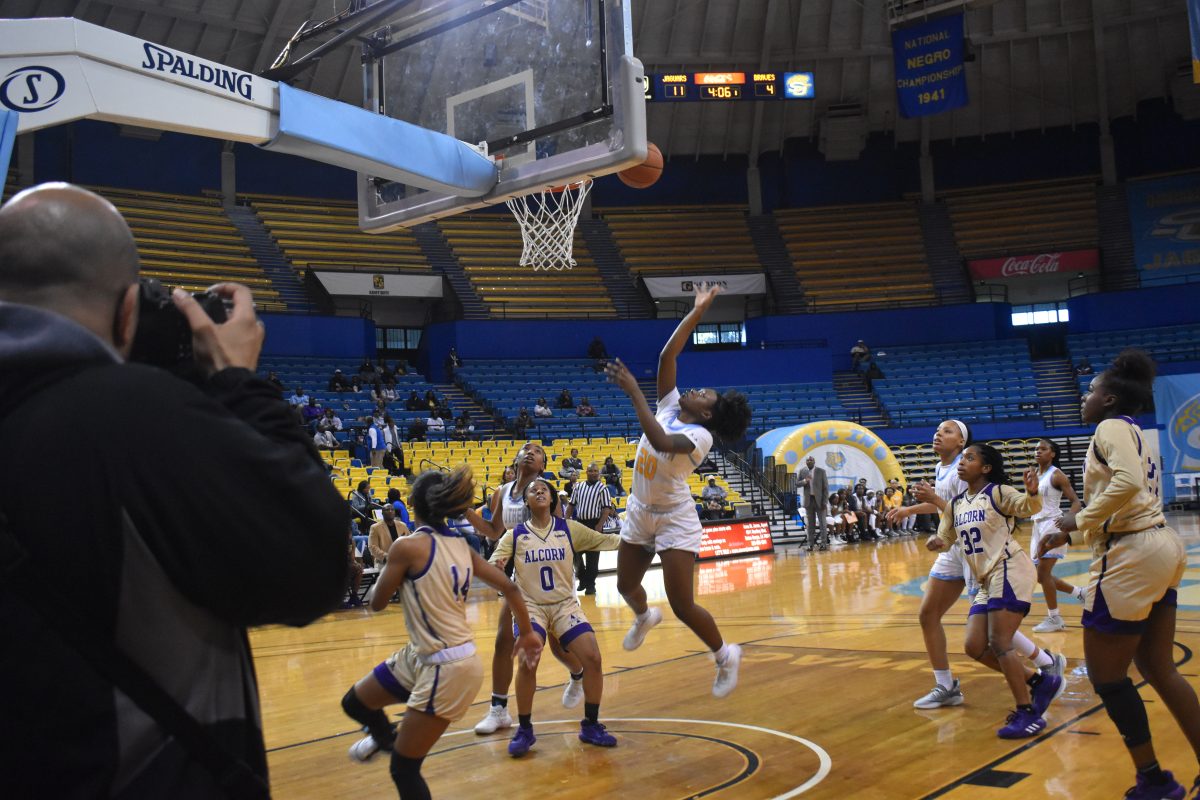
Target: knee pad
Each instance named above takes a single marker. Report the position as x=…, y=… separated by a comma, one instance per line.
x=406, y=774
x=354, y=707
x=1127, y=711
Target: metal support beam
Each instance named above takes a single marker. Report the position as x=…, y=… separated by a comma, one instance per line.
x=1108, y=156
x=753, y=179
x=246, y=25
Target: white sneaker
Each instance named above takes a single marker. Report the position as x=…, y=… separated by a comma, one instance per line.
x=1050, y=625
x=1059, y=667
x=497, y=718
x=637, y=633
x=727, y=672
x=1080, y=593
x=362, y=750
x=941, y=696
x=573, y=693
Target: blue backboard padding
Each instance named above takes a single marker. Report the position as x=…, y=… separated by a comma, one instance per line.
x=8, y=135
x=327, y=130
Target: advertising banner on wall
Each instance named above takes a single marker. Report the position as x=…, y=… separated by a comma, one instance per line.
x=1068, y=262
x=366, y=284
x=685, y=285
x=1177, y=410
x=930, y=77
x=1164, y=215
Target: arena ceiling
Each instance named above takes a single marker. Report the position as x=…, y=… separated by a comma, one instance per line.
x=1035, y=60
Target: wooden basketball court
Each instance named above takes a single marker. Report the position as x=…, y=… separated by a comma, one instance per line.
x=833, y=661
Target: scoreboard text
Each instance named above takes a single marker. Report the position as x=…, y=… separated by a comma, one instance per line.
x=725, y=86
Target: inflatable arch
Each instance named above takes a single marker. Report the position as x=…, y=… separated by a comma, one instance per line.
x=846, y=450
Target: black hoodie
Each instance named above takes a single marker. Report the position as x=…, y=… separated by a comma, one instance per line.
x=167, y=517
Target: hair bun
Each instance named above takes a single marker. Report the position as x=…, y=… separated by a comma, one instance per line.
x=1134, y=365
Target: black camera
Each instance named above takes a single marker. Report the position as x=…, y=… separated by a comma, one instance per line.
x=164, y=338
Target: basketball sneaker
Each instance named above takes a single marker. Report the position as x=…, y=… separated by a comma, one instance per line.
x=362, y=750
x=1169, y=790
x=497, y=718
x=597, y=734
x=941, y=696
x=1050, y=625
x=1046, y=692
x=1021, y=725
x=573, y=693
x=727, y=671
x=521, y=742
x=1059, y=667
x=1080, y=593
x=637, y=633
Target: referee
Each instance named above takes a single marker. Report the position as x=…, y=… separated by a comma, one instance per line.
x=591, y=505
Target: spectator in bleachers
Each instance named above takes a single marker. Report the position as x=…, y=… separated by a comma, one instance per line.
x=598, y=352
x=892, y=498
x=464, y=428
x=338, y=382
x=362, y=507
x=376, y=441
x=565, y=400
x=612, y=477
x=434, y=422
x=401, y=367
x=391, y=434
x=453, y=363
x=542, y=409
x=856, y=505
x=431, y=400
x=330, y=421
x=383, y=533
x=575, y=460
x=839, y=513
x=859, y=353
x=299, y=397
x=584, y=409
x=713, y=492
x=414, y=402
x=522, y=422
x=379, y=413
x=325, y=440
x=311, y=412
x=273, y=379
x=381, y=393
x=568, y=472
x=387, y=374
x=354, y=574
x=397, y=502
x=366, y=373
x=416, y=430
x=1084, y=367
x=393, y=461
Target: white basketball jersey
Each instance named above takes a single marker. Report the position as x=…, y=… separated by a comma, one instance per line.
x=435, y=601
x=1051, y=496
x=513, y=510
x=661, y=479
x=947, y=484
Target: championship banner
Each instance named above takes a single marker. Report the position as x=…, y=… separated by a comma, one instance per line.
x=1033, y=265
x=685, y=285
x=1164, y=216
x=1194, y=19
x=930, y=77
x=365, y=284
x=1177, y=410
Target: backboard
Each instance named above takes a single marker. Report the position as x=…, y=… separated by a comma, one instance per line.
x=549, y=88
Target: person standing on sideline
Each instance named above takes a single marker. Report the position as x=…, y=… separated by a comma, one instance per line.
x=661, y=515
x=1138, y=563
x=1053, y=484
x=815, y=483
x=591, y=506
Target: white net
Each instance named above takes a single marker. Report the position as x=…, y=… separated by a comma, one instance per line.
x=547, y=221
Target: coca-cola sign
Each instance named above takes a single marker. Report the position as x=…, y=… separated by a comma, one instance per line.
x=1038, y=264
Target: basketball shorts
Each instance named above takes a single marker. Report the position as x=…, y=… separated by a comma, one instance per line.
x=1043, y=528
x=444, y=684
x=1008, y=588
x=1131, y=573
x=951, y=565
x=658, y=529
x=564, y=619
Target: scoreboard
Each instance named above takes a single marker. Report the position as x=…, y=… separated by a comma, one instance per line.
x=729, y=86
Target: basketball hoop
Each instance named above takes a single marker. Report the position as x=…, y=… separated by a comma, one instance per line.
x=547, y=221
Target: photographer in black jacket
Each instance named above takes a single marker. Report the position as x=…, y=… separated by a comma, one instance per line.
x=207, y=510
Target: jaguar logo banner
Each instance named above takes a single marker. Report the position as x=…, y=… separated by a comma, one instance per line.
x=1164, y=216
x=1177, y=409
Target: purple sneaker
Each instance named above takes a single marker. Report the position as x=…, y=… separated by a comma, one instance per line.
x=595, y=733
x=1144, y=790
x=1047, y=692
x=1194, y=794
x=521, y=742
x=1022, y=725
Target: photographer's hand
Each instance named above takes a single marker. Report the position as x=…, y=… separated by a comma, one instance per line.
x=235, y=343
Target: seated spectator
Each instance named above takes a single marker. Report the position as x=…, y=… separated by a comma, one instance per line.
x=1084, y=367
x=542, y=408
x=340, y=383
x=568, y=472
x=383, y=533
x=414, y=402
x=366, y=372
x=575, y=460
x=401, y=367
x=325, y=440
x=612, y=477
x=362, y=507
x=836, y=521
x=873, y=372
x=330, y=421
x=378, y=415
x=464, y=428
x=859, y=353
x=354, y=573
x=381, y=393
x=597, y=350
x=434, y=422
x=416, y=430
x=892, y=498
x=565, y=400
x=713, y=492
x=311, y=412
x=522, y=422
x=431, y=400
x=393, y=461
x=909, y=525
x=387, y=375
x=300, y=398
x=397, y=502
x=273, y=379
x=584, y=409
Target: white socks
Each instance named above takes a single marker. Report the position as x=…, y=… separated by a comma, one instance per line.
x=722, y=653
x=1053, y=614
x=944, y=678
x=645, y=615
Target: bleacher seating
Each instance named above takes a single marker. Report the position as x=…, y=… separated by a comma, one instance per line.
x=864, y=255
x=974, y=382
x=1165, y=345
x=488, y=247
x=918, y=461
x=1022, y=218
x=689, y=240
x=324, y=235
x=188, y=241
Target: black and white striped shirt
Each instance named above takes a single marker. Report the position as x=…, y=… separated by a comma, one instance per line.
x=590, y=500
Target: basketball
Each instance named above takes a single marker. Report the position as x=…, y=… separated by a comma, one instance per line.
x=645, y=174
